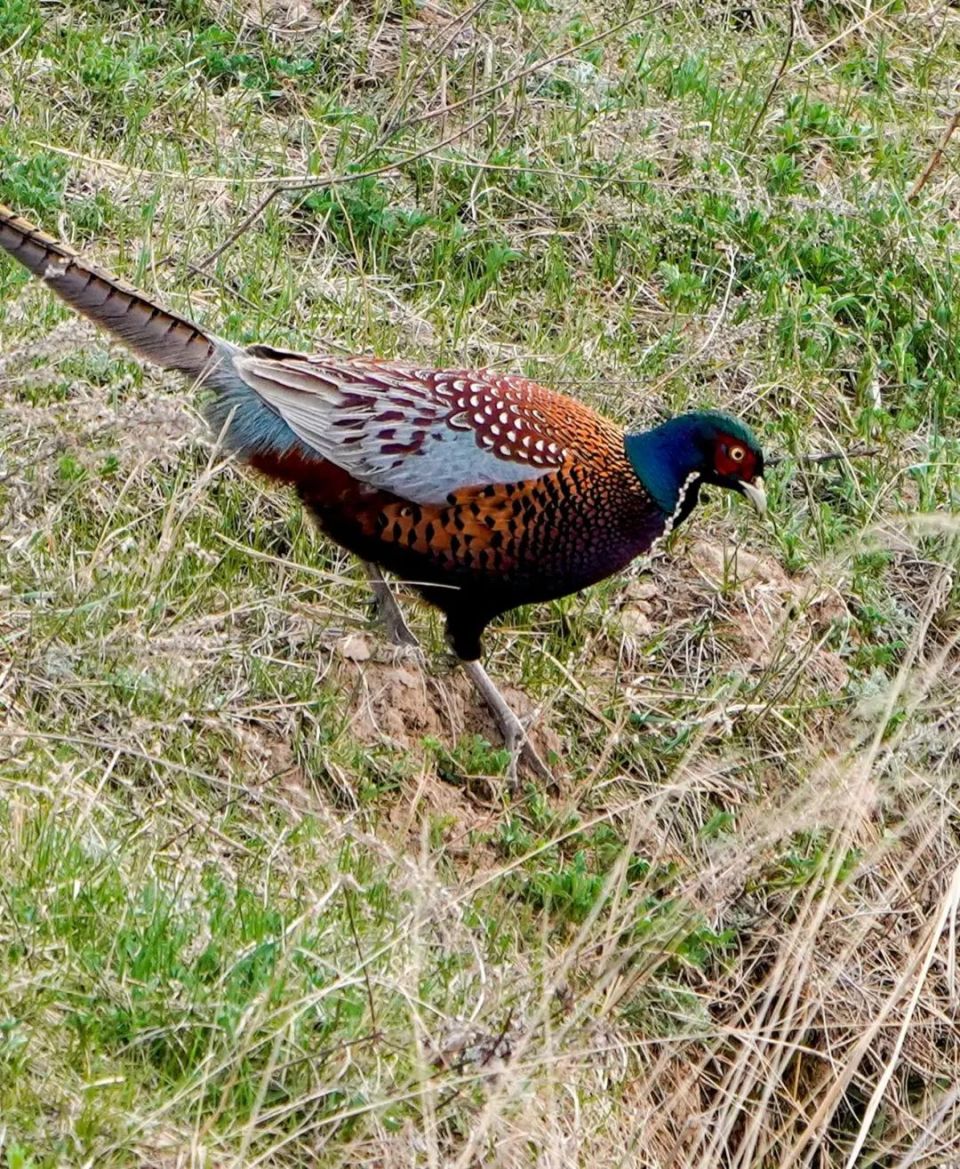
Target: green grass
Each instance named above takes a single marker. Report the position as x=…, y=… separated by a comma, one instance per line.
x=264, y=904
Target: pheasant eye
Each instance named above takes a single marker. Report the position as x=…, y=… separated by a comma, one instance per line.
x=737, y=454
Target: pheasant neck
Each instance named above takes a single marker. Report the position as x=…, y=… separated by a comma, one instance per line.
x=667, y=460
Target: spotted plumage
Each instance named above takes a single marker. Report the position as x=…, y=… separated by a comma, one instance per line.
x=480, y=515
x=482, y=491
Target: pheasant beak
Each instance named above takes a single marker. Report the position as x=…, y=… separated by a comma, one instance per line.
x=755, y=493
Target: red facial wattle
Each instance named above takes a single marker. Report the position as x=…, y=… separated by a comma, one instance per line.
x=733, y=460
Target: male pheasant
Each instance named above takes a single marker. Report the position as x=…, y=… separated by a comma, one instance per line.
x=483, y=491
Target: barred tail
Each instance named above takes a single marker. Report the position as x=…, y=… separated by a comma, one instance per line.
x=161, y=336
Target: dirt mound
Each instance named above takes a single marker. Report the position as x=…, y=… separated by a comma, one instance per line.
x=398, y=700
x=715, y=609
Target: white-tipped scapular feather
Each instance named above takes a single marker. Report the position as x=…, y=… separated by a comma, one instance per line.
x=400, y=429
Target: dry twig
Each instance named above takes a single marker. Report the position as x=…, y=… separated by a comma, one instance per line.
x=935, y=159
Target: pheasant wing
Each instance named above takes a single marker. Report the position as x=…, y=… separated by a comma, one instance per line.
x=418, y=433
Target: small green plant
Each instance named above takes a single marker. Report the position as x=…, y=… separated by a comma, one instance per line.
x=19, y=21
x=17, y=1157
x=472, y=755
x=360, y=216
x=35, y=183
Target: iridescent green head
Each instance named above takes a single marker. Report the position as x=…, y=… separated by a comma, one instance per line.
x=674, y=459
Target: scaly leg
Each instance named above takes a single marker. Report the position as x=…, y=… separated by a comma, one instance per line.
x=387, y=608
x=512, y=729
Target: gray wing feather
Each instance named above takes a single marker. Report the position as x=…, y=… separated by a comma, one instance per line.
x=384, y=426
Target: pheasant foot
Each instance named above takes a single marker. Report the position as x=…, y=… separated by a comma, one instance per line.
x=388, y=611
x=513, y=731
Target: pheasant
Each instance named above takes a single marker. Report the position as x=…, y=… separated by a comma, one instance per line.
x=484, y=491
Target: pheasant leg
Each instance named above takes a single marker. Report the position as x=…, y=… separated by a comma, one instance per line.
x=512, y=729
x=388, y=611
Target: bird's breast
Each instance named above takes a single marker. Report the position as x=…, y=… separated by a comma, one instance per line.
x=509, y=543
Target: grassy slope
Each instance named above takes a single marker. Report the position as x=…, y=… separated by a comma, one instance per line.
x=257, y=904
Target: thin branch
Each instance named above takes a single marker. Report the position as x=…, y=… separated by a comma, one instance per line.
x=935, y=159
x=521, y=74
x=827, y=457
x=775, y=83
x=431, y=53
x=870, y=15
x=331, y=181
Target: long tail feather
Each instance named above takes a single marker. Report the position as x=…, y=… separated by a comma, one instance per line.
x=161, y=336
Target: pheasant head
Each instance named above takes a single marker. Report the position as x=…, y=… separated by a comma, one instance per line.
x=675, y=459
